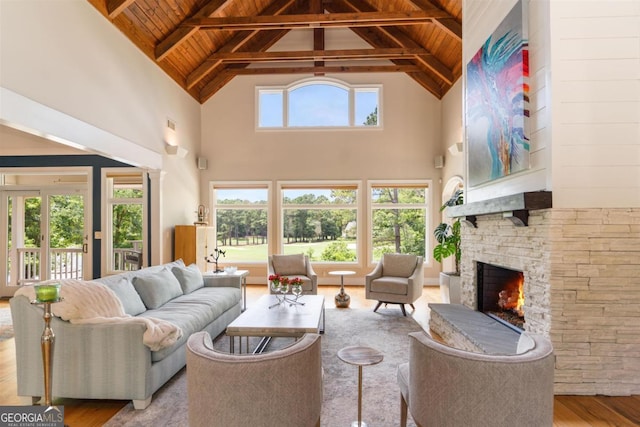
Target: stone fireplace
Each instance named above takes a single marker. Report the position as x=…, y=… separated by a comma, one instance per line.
x=501, y=294
x=581, y=285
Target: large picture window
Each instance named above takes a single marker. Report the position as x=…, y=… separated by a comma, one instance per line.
x=399, y=217
x=318, y=103
x=241, y=220
x=320, y=220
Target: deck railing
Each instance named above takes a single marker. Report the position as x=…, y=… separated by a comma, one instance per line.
x=67, y=263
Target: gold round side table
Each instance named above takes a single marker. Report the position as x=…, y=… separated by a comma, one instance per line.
x=360, y=356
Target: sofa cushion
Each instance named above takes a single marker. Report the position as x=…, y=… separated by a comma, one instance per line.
x=128, y=296
x=398, y=265
x=190, y=278
x=289, y=265
x=193, y=312
x=158, y=288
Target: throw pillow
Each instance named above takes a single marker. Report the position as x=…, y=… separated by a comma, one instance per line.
x=128, y=296
x=158, y=288
x=190, y=278
x=398, y=265
x=525, y=343
x=289, y=265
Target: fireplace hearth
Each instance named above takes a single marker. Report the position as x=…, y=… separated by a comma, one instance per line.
x=501, y=294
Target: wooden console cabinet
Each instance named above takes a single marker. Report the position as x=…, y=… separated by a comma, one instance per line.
x=193, y=243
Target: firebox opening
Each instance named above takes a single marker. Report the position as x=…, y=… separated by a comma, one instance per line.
x=501, y=294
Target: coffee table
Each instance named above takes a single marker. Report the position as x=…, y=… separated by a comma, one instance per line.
x=283, y=320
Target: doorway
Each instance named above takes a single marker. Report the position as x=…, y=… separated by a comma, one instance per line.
x=45, y=228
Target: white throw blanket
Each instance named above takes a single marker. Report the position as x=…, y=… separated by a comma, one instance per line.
x=93, y=302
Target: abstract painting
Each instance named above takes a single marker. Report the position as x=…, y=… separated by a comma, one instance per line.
x=497, y=101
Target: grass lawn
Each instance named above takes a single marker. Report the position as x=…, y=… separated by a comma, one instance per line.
x=259, y=252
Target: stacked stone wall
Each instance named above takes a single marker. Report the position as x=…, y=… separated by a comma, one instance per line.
x=582, y=289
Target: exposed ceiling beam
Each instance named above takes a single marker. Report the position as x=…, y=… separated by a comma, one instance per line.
x=262, y=43
x=116, y=7
x=447, y=23
x=235, y=43
x=378, y=38
x=407, y=68
x=182, y=33
x=317, y=55
x=315, y=6
x=315, y=20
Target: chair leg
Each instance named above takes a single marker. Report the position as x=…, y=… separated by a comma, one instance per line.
x=413, y=307
x=404, y=312
x=403, y=411
x=377, y=306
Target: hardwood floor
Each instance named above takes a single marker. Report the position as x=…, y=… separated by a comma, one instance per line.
x=569, y=411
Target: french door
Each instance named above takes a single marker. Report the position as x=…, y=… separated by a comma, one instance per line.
x=46, y=236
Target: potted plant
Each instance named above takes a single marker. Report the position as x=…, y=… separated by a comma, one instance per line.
x=448, y=237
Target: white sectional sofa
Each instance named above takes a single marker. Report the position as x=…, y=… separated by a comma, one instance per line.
x=109, y=360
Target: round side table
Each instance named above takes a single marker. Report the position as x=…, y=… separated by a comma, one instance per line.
x=360, y=356
x=342, y=299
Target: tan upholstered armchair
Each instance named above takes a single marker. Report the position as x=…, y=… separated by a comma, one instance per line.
x=444, y=386
x=296, y=265
x=279, y=388
x=397, y=279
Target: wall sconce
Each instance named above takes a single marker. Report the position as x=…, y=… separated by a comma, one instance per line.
x=456, y=148
x=175, y=150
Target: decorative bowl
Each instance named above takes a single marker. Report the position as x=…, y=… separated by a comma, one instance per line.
x=230, y=270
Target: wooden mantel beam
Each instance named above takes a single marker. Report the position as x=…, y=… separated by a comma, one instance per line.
x=316, y=20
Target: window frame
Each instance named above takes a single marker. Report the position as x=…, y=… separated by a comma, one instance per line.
x=287, y=89
x=371, y=206
x=242, y=185
x=328, y=185
x=108, y=202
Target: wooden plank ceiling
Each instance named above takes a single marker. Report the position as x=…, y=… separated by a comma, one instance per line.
x=203, y=44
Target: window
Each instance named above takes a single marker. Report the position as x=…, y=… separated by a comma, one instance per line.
x=399, y=216
x=241, y=214
x=125, y=200
x=320, y=220
x=318, y=103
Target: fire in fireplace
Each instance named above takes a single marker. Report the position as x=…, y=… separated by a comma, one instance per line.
x=501, y=294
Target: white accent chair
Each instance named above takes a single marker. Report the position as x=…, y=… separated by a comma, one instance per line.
x=280, y=388
x=397, y=279
x=292, y=266
x=447, y=387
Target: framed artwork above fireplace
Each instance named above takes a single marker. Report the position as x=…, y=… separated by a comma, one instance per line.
x=497, y=101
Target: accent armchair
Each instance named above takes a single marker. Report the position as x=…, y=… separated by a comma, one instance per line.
x=397, y=279
x=279, y=388
x=447, y=387
x=296, y=265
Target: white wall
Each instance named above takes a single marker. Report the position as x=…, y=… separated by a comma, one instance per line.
x=403, y=149
x=480, y=18
x=595, y=51
x=66, y=64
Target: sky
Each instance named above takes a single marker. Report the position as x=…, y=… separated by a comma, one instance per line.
x=316, y=105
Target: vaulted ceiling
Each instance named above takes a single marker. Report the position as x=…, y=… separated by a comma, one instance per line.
x=204, y=44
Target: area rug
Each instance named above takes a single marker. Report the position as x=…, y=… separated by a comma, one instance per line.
x=6, y=326
x=385, y=330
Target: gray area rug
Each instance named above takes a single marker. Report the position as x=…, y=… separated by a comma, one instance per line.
x=385, y=330
x=6, y=326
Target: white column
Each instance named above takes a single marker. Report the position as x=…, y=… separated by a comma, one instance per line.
x=156, y=225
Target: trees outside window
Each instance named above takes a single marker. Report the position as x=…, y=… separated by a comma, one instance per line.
x=320, y=220
x=241, y=214
x=399, y=213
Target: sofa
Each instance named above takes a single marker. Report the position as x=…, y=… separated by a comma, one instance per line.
x=110, y=357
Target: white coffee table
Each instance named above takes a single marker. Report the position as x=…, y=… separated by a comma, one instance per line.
x=283, y=320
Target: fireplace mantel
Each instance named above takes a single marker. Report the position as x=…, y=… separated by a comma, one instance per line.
x=516, y=207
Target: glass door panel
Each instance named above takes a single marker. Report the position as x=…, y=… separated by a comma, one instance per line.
x=68, y=241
